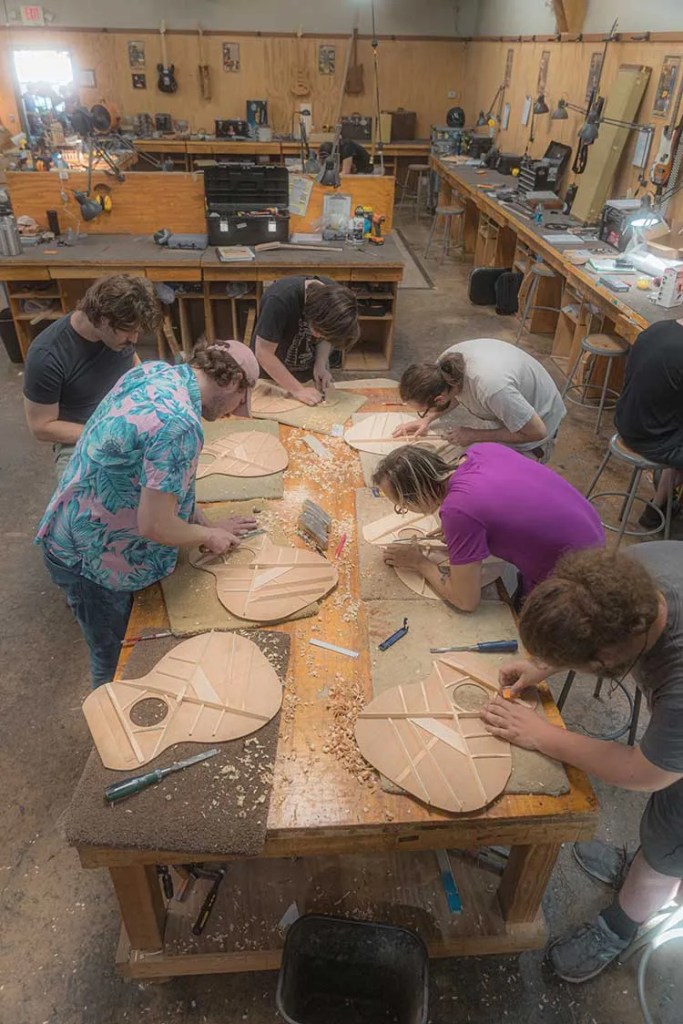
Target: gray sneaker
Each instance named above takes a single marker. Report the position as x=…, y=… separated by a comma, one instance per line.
x=603, y=861
x=586, y=952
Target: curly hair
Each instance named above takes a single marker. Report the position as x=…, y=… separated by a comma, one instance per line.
x=126, y=302
x=332, y=311
x=217, y=363
x=417, y=476
x=594, y=599
x=423, y=383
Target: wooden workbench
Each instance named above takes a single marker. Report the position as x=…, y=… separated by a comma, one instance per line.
x=62, y=273
x=495, y=235
x=333, y=844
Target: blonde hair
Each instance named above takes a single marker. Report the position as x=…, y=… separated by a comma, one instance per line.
x=418, y=476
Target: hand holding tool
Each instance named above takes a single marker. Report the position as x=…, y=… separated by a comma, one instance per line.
x=486, y=647
x=136, y=783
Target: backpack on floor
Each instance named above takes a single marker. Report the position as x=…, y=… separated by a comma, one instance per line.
x=507, y=290
x=483, y=284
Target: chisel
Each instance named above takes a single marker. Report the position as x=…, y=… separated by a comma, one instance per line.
x=136, y=783
x=487, y=647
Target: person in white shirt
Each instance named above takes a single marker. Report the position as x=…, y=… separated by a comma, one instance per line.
x=507, y=389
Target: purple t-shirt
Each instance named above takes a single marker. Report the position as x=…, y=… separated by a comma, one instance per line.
x=501, y=503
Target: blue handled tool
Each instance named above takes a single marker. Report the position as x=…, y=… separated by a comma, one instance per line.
x=398, y=635
x=486, y=647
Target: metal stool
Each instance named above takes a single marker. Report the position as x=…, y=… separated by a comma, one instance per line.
x=639, y=464
x=447, y=213
x=607, y=347
x=631, y=726
x=538, y=271
x=421, y=172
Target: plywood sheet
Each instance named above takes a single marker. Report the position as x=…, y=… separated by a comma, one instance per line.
x=221, y=488
x=247, y=454
x=336, y=409
x=438, y=626
x=190, y=594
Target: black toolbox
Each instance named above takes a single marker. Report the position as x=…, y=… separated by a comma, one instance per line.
x=246, y=203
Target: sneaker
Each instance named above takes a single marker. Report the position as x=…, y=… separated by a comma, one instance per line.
x=586, y=952
x=650, y=519
x=605, y=862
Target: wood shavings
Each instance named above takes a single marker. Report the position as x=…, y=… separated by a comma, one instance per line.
x=345, y=703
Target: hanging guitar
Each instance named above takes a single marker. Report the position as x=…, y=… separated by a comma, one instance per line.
x=166, y=80
x=660, y=172
x=203, y=69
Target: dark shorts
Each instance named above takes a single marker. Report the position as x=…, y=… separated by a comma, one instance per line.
x=666, y=451
x=661, y=831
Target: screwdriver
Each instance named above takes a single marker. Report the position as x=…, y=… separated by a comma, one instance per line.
x=487, y=647
x=136, y=783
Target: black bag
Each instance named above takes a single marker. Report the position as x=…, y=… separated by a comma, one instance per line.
x=483, y=284
x=507, y=289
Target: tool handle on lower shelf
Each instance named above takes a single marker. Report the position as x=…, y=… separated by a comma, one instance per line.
x=134, y=784
x=498, y=647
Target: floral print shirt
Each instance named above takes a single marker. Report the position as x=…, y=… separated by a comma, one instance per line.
x=147, y=432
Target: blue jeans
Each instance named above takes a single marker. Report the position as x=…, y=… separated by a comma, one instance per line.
x=101, y=613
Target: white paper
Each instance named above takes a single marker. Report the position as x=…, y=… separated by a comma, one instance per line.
x=526, y=110
x=642, y=150
x=300, y=189
x=505, y=119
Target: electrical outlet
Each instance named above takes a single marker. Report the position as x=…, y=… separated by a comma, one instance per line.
x=63, y=174
x=452, y=94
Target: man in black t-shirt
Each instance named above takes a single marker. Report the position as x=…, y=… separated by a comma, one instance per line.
x=353, y=157
x=300, y=320
x=649, y=412
x=76, y=361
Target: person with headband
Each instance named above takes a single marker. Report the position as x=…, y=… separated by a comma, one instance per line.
x=507, y=389
x=611, y=614
x=492, y=502
x=126, y=501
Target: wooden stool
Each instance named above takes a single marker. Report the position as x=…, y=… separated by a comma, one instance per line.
x=421, y=172
x=631, y=726
x=446, y=213
x=608, y=347
x=536, y=272
x=639, y=464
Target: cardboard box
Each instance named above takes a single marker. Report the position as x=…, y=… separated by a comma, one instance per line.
x=665, y=241
x=671, y=289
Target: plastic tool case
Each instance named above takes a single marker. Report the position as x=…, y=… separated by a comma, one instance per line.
x=246, y=204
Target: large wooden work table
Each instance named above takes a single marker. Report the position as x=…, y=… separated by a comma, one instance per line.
x=334, y=844
x=627, y=313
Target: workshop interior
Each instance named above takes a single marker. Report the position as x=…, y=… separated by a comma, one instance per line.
x=342, y=371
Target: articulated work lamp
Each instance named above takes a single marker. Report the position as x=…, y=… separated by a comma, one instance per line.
x=590, y=129
x=90, y=208
x=490, y=118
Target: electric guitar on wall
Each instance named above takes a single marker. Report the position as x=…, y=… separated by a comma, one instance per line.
x=660, y=172
x=166, y=80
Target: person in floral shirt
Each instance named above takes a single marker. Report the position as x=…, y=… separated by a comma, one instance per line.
x=126, y=501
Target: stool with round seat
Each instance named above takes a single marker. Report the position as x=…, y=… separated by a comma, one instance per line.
x=447, y=215
x=536, y=273
x=421, y=172
x=631, y=726
x=639, y=465
x=604, y=346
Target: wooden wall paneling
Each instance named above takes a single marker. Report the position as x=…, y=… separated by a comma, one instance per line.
x=142, y=204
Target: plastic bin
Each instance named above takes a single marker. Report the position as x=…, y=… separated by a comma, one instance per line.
x=339, y=971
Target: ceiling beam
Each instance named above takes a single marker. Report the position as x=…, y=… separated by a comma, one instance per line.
x=569, y=14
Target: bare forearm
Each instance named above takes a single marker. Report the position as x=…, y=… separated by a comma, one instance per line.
x=278, y=371
x=439, y=579
x=614, y=763
x=501, y=435
x=174, y=532
x=58, y=432
x=322, y=354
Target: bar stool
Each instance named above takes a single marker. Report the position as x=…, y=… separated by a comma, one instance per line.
x=446, y=214
x=631, y=726
x=421, y=172
x=639, y=464
x=537, y=272
x=608, y=347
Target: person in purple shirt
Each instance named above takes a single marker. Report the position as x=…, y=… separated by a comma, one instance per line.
x=493, y=502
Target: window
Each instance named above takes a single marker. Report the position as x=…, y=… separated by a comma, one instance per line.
x=43, y=67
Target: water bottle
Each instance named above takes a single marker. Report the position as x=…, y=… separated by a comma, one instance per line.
x=538, y=214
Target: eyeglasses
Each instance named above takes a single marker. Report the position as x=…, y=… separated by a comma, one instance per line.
x=401, y=510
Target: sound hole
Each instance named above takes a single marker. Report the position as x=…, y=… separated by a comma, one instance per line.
x=470, y=697
x=148, y=711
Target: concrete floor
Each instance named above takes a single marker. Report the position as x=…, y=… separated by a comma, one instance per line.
x=59, y=924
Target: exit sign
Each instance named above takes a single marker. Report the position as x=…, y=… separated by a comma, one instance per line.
x=32, y=16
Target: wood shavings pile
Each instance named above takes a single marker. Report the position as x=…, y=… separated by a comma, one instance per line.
x=345, y=703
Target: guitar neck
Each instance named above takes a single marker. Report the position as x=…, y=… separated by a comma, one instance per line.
x=164, y=56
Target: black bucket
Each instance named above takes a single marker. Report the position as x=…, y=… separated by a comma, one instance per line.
x=336, y=971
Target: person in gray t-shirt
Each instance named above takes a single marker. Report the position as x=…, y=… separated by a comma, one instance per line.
x=611, y=614
x=505, y=388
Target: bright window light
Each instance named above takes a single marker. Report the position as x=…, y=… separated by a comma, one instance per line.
x=50, y=66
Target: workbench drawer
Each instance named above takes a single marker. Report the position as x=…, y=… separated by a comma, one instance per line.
x=170, y=273
x=24, y=274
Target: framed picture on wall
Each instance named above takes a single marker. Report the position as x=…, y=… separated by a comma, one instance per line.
x=327, y=59
x=139, y=80
x=231, y=56
x=87, y=78
x=666, y=87
x=136, y=53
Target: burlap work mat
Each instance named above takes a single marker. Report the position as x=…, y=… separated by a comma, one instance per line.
x=219, y=487
x=322, y=418
x=219, y=806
